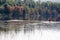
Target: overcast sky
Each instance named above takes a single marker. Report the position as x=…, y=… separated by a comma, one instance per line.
x=49, y=0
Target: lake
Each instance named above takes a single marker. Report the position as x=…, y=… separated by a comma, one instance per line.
x=29, y=30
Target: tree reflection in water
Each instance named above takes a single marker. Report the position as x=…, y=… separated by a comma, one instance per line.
x=26, y=26
x=29, y=30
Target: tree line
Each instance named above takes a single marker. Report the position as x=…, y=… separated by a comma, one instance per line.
x=20, y=10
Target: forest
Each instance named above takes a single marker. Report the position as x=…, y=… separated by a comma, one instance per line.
x=29, y=10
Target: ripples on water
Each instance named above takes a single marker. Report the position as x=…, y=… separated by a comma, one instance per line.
x=29, y=31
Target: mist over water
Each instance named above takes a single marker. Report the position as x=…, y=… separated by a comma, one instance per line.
x=31, y=31
x=36, y=35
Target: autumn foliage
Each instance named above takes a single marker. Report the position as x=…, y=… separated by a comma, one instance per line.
x=46, y=11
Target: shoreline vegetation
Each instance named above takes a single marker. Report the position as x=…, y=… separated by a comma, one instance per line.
x=29, y=10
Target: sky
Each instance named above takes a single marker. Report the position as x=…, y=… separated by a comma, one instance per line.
x=49, y=0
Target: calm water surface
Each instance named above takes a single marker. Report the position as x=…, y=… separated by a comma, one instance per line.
x=29, y=31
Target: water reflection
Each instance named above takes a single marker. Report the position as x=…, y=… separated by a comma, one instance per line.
x=26, y=26
x=29, y=30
